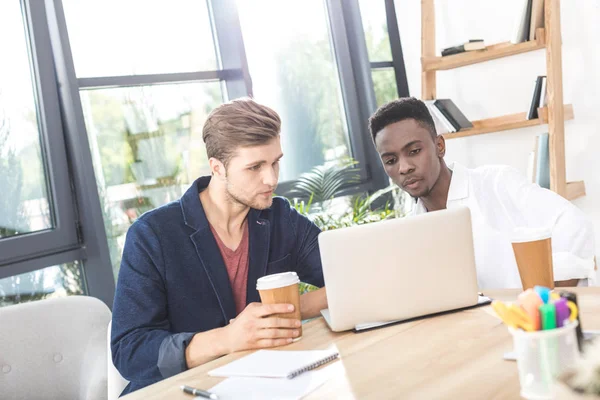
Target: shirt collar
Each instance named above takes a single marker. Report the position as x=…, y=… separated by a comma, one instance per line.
x=459, y=183
x=459, y=187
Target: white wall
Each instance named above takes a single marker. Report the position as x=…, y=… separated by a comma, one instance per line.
x=505, y=86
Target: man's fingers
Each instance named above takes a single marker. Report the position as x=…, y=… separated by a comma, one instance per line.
x=264, y=343
x=277, y=322
x=277, y=333
x=270, y=309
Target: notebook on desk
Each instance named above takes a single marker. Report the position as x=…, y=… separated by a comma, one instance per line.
x=276, y=363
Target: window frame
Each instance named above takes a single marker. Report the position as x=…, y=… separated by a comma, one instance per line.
x=35, y=249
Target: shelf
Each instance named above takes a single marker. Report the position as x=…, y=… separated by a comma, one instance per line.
x=575, y=190
x=507, y=122
x=492, y=52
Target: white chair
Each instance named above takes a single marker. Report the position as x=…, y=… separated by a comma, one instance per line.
x=54, y=349
x=116, y=383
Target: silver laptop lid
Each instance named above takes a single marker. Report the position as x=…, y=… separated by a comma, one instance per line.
x=400, y=268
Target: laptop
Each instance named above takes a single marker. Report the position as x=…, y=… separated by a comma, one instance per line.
x=398, y=269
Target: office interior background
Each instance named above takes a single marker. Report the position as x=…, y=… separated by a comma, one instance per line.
x=102, y=105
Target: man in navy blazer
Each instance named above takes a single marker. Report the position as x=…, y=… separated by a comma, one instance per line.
x=186, y=292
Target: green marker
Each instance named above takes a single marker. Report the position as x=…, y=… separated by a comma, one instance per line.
x=548, y=316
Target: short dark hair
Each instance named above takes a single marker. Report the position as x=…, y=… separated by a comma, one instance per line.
x=399, y=110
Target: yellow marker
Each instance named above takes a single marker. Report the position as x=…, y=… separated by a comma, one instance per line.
x=513, y=315
x=574, y=311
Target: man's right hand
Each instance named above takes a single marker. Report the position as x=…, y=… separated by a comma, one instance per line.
x=256, y=327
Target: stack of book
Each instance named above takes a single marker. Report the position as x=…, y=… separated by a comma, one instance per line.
x=530, y=18
x=539, y=98
x=447, y=116
x=471, y=45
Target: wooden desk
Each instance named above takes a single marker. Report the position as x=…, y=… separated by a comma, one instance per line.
x=454, y=356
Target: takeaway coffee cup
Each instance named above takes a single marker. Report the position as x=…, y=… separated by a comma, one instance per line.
x=533, y=252
x=281, y=289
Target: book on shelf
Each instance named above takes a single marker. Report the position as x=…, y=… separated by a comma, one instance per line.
x=453, y=114
x=532, y=164
x=536, y=99
x=471, y=45
x=544, y=93
x=542, y=172
x=442, y=126
x=522, y=23
x=537, y=17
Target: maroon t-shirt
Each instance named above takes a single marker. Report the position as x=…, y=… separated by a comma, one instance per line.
x=236, y=262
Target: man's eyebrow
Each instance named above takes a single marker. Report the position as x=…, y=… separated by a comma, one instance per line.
x=406, y=146
x=261, y=162
x=409, y=144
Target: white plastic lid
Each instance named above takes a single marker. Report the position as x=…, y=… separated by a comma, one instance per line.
x=521, y=235
x=277, y=280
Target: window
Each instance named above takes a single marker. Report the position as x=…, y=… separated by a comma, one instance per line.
x=294, y=70
x=114, y=37
x=25, y=203
x=145, y=136
x=384, y=84
x=147, y=148
x=55, y=281
x=37, y=221
x=385, y=54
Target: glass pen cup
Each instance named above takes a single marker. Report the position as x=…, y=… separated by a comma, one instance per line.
x=282, y=288
x=542, y=356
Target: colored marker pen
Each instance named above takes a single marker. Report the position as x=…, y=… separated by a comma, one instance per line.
x=548, y=316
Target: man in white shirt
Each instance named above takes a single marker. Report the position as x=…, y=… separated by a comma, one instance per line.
x=499, y=197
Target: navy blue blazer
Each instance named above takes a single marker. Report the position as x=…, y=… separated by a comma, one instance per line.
x=173, y=282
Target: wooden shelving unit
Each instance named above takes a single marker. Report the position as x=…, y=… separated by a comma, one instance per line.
x=554, y=114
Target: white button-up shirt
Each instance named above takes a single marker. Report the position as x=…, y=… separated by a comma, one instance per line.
x=501, y=200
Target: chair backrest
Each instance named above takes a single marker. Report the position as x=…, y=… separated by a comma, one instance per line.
x=116, y=383
x=54, y=349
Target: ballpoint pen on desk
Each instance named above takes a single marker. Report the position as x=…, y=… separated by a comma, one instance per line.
x=198, y=392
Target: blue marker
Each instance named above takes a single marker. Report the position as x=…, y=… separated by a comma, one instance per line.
x=543, y=292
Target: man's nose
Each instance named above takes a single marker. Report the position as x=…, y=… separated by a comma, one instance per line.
x=405, y=167
x=270, y=177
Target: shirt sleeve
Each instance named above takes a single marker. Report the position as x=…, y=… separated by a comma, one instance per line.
x=143, y=348
x=535, y=207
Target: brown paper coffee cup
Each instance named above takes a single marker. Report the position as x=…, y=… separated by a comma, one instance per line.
x=533, y=253
x=281, y=289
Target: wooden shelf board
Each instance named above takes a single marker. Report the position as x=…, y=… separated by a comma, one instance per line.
x=507, y=122
x=575, y=190
x=495, y=51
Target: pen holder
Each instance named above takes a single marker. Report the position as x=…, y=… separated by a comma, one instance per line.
x=542, y=356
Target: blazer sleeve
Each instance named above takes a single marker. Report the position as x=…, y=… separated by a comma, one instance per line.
x=143, y=349
x=308, y=257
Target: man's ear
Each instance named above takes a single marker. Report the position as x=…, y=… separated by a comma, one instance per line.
x=441, y=146
x=217, y=168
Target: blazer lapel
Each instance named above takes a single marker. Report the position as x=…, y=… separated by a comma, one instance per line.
x=212, y=261
x=206, y=247
x=259, y=231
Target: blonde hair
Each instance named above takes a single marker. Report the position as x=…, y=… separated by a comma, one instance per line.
x=240, y=123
